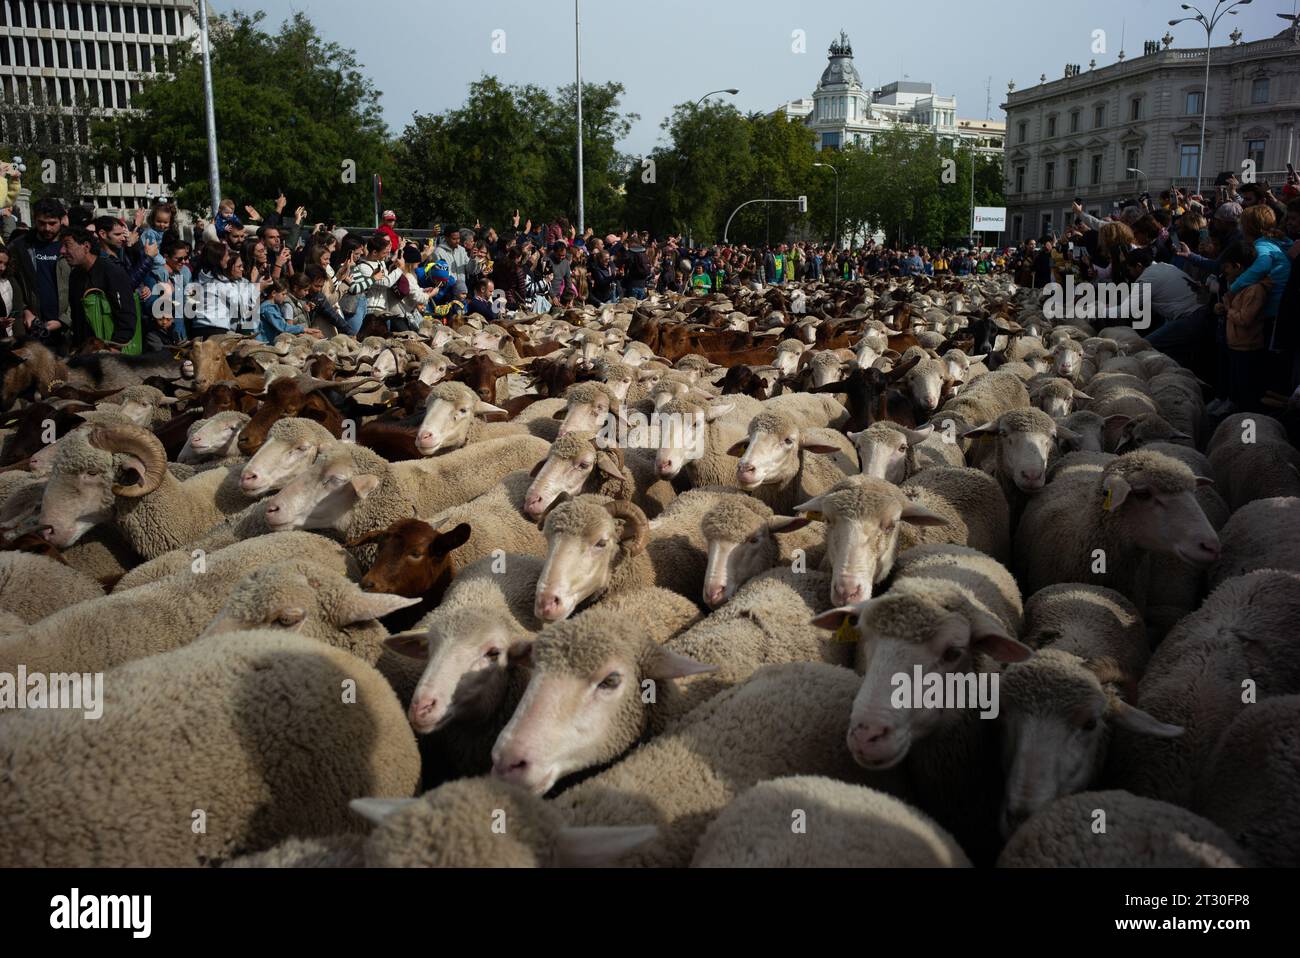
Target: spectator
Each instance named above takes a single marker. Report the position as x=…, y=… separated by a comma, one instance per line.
x=453, y=254
x=41, y=275
x=101, y=296
x=388, y=230
x=272, y=321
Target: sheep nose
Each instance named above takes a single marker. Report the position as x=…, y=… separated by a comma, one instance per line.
x=510, y=768
x=368, y=585
x=48, y=533
x=421, y=711
x=746, y=471
x=847, y=593
x=1211, y=548
x=865, y=739
x=1013, y=818
x=533, y=505
x=1033, y=478
x=548, y=606
x=714, y=594
x=249, y=479
x=666, y=468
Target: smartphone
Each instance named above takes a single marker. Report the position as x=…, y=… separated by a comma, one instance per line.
x=1290, y=169
x=1077, y=252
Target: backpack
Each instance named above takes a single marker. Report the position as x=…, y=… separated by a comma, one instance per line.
x=99, y=317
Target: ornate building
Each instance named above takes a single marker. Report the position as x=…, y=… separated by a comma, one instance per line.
x=842, y=112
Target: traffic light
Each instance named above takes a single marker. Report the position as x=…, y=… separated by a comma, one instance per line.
x=803, y=204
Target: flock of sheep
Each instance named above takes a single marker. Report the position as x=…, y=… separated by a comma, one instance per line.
x=399, y=602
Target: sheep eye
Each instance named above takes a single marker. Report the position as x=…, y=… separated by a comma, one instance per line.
x=611, y=682
x=754, y=541
x=602, y=543
x=585, y=465
x=417, y=555
x=493, y=654
x=1089, y=725
x=290, y=617
x=789, y=442
x=903, y=448
x=336, y=480
x=1142, y=494
x=952, y=654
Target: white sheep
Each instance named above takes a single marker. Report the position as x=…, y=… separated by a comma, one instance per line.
x=1263, y=534
x=895, y=453
x=838, y=826
x=1252, y=459
x=1138, y=833
x=214, y=439
x=741, y=532
x=33, y=587
x=782, y=463
x=235, y=730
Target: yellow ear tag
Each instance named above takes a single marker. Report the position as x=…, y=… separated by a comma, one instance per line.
x=847, y=632
x=1106, y=501
x=815, y=516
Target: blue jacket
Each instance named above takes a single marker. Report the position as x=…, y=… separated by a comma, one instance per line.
x=273, y=323
x=1271, y=261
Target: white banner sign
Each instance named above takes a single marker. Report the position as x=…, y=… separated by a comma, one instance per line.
x=990, y=219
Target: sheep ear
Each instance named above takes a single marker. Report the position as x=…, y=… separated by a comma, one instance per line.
x=1067, y=435
x=1115, y=490
x=919, y=515
x=836, y=619
x=812, y=509
x=538, y=468
x=412, y=645
x=377, y=809
x=991, y=637
x=718, y=410
x=561, y=414
x=521, y=653
x=449, y=541
x=1079, y=394
x=363, y=486
x=738, y=449
x=606, y=464
x=486, y=409
x=667, y=664
x=820, y=448
x=988, y=429
x=599, y=846
x=1202, y=481
x=779, y=524
x=1116, y=421
x=1135, y=720
x=978, y=357
x=918, y=436
x=366, y=606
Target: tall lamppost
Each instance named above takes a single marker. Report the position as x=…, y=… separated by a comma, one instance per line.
x=577, y=46
x=681, y=159
x=1209, y=23
x=214, y=172
x=837, y=200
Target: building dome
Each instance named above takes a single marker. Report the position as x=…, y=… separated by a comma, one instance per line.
x=840, y=71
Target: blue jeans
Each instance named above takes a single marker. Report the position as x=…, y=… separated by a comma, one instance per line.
x=1186, y=338
x=637, y=292
x=353, y=322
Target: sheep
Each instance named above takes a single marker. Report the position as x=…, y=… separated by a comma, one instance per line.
x=1250, y=785
x=101, y=633
x=926, y=383
x=1067, y=361
x=597, y=546
x=1060, y=705
x=586, y=701
x=580, y=463
x=268, y=734
x=1023, y=442
x=1139, y=833
x=696, y=439
x=1203, y=675
x=740, y=533
x=1141, y=430
x=951, y=611
x=587, y=409
x=1057, y=397
x=845, y=826
x=497, y=521
x=1140, y=504
x=1264, y=534
x=984, y=400
x=146, y=406
x=121, y=473
x=415, y=560
x=1180, y=402
x=451, y=827
x=782, y=463
x=785, y=720
x=863, y=534
x=33, y=587
x=451, y=420
x=895, y=453
x=1252, y=459
x=291, y=446
x=334, y=851
x=214, y=439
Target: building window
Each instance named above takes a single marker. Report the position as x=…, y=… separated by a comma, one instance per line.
x=1072, y=173
x=115, y=13
x=1022, y=131
x=129, y=14
x=1074, y=121
x=1195, y=102
x=830, y=141
x=1049, y=175
x=1051, y=126
x=1047, y=224
x=171, y=22
x=1255, y=152
x=90, y=56
x=1259, y=90
x=73, y=22
x=59, y=22
x=1020, y=179
x=1132, y=160
x=1098, y=117
x=157, y=19
x=1189, y=155
x=1095, y=177
x=1135, y=108
x=1017, y=228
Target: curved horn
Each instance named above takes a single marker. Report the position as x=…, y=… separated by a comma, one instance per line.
x=636, y=526
x=138, y=442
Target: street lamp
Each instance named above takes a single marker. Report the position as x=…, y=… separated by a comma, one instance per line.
x=837, y=200
x=1209, y=23
x=731, y=90
x=1136, y=172
x=577, y=54
x=681, y=158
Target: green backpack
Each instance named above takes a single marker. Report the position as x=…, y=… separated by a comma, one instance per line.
x=99, y=316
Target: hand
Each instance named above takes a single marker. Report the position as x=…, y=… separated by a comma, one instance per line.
x=29, y=318
x=477, y=224
x=284, y=256
x=528, y=227
x=144, y=292
x=151, y=250
x=139, y=218
x=314, y=332
x=253, y=214
x=300, y=215
x=281, y=202
x=515, y=220
x=132, y=239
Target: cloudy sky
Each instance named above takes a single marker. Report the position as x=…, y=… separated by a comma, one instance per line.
x=423, y=54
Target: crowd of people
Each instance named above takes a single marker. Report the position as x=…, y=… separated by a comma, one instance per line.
x=1218, y=266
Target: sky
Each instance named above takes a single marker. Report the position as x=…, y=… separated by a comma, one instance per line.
x=422, y=54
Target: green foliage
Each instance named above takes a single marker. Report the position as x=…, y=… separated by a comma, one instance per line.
x=513, y=148
x=291, y=109
x=40, y=130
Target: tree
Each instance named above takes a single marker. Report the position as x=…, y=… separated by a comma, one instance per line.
x=513, y=148
x=294, y=114
x=54, y=142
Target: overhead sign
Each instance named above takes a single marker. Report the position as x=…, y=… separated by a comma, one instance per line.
x=990, y=219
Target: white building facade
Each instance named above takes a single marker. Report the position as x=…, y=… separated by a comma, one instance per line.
x=70, y=53
x=842, y=112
